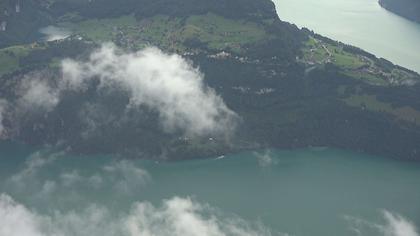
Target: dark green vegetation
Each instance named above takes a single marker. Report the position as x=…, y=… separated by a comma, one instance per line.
x=21, y=20
x=292, y=88
x=407, y=8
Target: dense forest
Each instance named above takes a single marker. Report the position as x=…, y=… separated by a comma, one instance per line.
x=23, y=20
x=291, y=88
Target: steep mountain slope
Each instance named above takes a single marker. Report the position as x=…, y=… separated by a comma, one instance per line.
x=407, y=8
x=20, y=21
x=287, y=88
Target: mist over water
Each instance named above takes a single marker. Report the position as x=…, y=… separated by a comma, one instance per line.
x=362, y=23
x=268, y=192
x=52, y=33
x=314, y=192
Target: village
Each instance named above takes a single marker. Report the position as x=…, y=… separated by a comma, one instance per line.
x=318, y=53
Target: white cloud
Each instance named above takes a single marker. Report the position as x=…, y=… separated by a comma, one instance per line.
x=165, y=83
x=71, y=178
x=398, y=225
x=53, y=33
x=265, y=159
x=176, y=217
x=92, y=221
x=394, y=225
x=95, y=181
x=16, y=220
x=48, y=188
x=28, y=176
x=183, y=217
x=37, y=93
x=125, y=177
x=73, y=75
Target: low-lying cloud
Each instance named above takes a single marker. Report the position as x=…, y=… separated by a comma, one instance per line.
x=123, y=178
x=54, y=198
x=16, y=220
x=397, y=225
x=265, y=159
x=175, y=217
x=53, y=33
x=164, y=83
x=28, y=176
x=393, y=225
x=37, y=93
x=184, y=217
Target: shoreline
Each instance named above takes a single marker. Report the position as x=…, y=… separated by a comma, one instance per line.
x=398, y=13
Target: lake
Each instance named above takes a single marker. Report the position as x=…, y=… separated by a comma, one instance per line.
x=317, y=191
x=307, y=192
x=362, y=23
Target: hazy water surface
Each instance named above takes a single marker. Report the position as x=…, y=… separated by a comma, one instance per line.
x=363, y=23
x=314, y=192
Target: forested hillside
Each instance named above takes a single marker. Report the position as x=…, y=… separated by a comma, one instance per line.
x=407, y=8
x=22, y=19
x=278, y=85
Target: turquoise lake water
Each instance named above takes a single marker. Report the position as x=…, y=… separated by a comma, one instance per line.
x=308, y=192
x=362, y=23
x=316, y=191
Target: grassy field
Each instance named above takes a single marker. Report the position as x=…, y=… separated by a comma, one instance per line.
x=357, y=66
x=213, y=31
x=346, y=60
x=9, y=58
x=320, y=52
x=369, y=102
x=368, y=78
x=220, y=32
x=100, y=29
x=169, y=32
